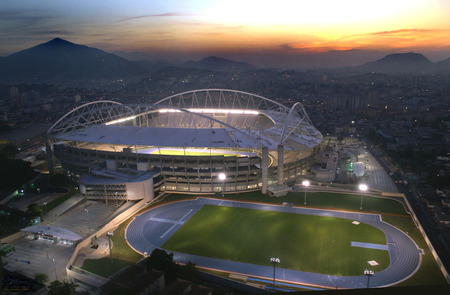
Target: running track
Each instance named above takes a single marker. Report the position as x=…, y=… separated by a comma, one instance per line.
x=152, y=228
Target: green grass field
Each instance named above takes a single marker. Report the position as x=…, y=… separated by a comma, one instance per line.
x=302, y=242
x=193, y=153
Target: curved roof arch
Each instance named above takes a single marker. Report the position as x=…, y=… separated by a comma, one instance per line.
x=84, y=115
x=222, y=98
x=296, y=116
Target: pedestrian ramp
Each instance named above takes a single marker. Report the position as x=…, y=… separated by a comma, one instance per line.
x=67, y=205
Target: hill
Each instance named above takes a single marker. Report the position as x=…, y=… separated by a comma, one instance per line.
x=400, y=63
x=60, y=60
x=443, y=66
x=214, y=63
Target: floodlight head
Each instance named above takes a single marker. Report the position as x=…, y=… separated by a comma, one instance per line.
x=275, y=260
x=363, y=187
x=222, y=176
x=305, y=182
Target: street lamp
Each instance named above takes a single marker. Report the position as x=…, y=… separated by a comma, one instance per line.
x=54, y=264
x=45, y=246
x=222, y=178
x=45, y=205
x=362, y=188
x=109, y=235
x=89, y=220
x=275, y=261
x=368, y=273
x=305, y=184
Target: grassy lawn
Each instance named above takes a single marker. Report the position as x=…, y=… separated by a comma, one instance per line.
x=321, y=200
x=103, y=266
x=122, y=256
x=307, y=243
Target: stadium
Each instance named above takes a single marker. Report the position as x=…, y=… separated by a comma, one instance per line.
x=197, y=142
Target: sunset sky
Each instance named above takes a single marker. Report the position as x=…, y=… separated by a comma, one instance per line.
x=236, y=29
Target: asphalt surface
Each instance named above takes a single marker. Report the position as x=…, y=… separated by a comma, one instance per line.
x=152, y=228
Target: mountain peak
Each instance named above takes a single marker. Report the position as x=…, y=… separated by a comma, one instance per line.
x=401, y=63
x=407, y=57
x=61, y=60
x=59, y=42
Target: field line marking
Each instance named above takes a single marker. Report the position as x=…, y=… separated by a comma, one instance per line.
x=165, y=220
x=369, y=245
x=180, y=221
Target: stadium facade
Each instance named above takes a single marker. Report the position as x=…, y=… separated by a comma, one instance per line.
x=200, y=142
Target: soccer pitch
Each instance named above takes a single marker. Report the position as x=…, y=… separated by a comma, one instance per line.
x=302, y=242
x=190, y=152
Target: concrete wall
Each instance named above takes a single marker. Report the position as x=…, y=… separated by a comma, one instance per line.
x=140, y=190
x=12, y=237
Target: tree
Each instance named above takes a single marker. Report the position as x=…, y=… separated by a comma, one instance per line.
x=160, y=260
x=187, y=272
x=35, y=210
x=62, y=288
x=41, y=277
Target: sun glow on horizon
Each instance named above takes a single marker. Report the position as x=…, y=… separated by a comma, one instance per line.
x=201, y=27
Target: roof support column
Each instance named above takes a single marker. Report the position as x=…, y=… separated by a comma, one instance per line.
x=280, y=164
x=264, y=169
x=49, y=154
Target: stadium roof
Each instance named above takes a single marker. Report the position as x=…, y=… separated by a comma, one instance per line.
x=103, y=122
x=155, y=136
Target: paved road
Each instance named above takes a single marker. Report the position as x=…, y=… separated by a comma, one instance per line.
x=152, y=228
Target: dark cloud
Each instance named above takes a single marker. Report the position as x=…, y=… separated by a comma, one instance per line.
x=286, y=46
x=170, y=14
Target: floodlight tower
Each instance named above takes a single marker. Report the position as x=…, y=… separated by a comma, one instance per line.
x=275, y=261
x=368, y=273
x=305, y=184
x=362, y=188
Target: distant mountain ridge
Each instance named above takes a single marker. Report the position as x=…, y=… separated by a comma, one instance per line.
x=215, y=63
x=403, y=63
x=59, y=60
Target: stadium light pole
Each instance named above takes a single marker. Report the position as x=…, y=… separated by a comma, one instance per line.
x=275, y=261
x=305, y=184
x=368, y=273
x=222, y=177
x=362, y=188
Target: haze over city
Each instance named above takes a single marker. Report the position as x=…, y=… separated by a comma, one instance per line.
x=264, y=33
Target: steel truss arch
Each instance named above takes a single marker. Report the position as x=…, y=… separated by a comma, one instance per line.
x=296, y=117
x=73, y=119
x=223, y=99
